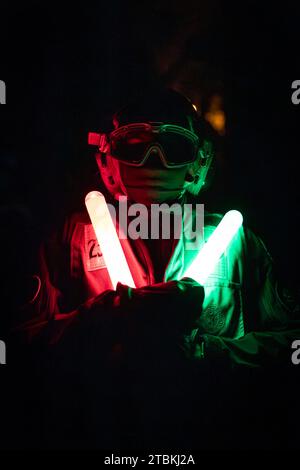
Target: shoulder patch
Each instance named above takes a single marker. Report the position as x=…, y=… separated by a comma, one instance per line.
x=93, y=255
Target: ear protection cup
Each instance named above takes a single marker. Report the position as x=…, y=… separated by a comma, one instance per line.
x=203, y=169
x=209, y=176
x=110, y=174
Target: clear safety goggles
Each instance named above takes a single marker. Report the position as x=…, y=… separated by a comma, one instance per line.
x=133, y=143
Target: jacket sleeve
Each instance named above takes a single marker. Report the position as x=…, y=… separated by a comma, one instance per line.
x=55, y=312
x=271, y=316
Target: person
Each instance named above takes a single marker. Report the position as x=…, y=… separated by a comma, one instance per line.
x=167, y=328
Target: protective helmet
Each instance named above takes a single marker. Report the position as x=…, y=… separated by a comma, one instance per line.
x=160, y=118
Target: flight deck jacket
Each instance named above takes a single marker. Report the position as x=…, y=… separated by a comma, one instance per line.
x=248, y=316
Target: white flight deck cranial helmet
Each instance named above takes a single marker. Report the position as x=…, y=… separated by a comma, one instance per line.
x=181, y=125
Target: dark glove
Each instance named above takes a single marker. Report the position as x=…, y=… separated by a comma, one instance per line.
x=149, y=318
x=160, y=320
x=172, y=306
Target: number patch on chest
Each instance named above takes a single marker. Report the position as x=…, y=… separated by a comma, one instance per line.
x=93, y=256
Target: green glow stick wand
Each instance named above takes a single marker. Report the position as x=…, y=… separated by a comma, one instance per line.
x=208, y=257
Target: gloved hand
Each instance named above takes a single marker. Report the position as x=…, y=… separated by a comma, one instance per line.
x=172, y=306
x=159, y=321
x=147, y=321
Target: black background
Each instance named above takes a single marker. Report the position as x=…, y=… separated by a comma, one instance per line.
x=68, y=66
